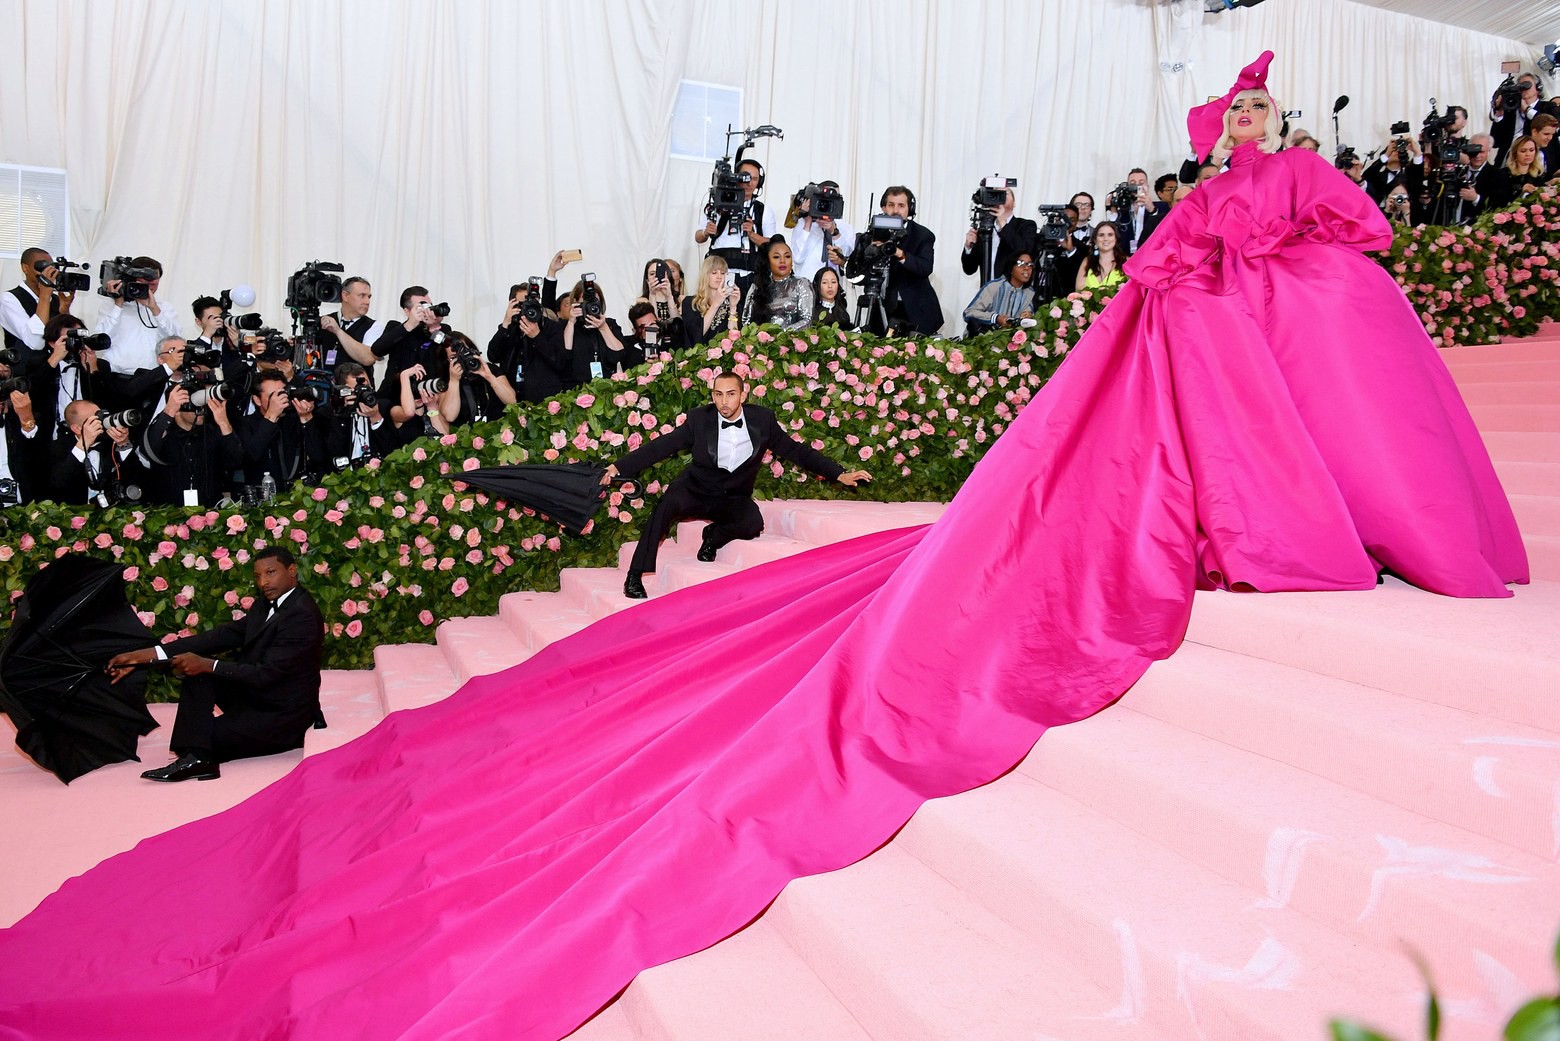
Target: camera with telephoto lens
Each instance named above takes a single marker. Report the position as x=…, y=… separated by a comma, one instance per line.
x=66, y=280
x=431, y=384
x=591, y=301
x=119, y=420
x=440, y=311
x=14, y=385
x=531, y=303
x=239, y=322
x=78, y=340
x=823, y=200
x=135, y=283
x=357, y=392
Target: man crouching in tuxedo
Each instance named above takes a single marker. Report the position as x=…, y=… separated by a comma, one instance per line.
x=260, y=702
x=727, y=439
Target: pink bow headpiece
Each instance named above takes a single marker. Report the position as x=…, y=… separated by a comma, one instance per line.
x=1206, y=122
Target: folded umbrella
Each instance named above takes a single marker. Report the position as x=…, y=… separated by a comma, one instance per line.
x=71, y=619
x=569, y=493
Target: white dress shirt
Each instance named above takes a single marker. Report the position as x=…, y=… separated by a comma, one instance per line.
x=807, y=246
x=17, y=322
x=735, y=446
x=135, y=332
x=732, y=237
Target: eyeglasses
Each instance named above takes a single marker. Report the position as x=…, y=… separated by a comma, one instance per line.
x=1025, y=263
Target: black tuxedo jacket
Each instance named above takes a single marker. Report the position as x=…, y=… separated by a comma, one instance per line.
x=700, y=436
x=910, y=281
x=278, y=662
x=28, y=457
x=69, y=482
x=1017, y=236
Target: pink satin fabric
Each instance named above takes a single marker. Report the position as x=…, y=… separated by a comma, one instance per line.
x=1259, y=406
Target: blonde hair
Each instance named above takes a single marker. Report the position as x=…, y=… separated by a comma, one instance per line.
x=1271, y=140
x=701, y=297
x=1533, y=169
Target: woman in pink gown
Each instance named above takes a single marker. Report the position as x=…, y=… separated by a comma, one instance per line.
x=1258, y=408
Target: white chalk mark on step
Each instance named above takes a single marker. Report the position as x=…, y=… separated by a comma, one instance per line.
x=1281, y=866
x=1405, y=861
x=1134, y=986
x=1484, y=775
x=1272, y=967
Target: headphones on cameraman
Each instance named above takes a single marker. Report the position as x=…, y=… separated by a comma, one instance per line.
x=898, y=189
x=760, y=186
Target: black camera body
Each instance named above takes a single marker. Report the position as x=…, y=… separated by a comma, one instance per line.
x=1122, y=198
x=10, y=493
x=135, y=283
x=14, y=385
x=78, y=340
x=1053, y=224
x=885, y=233
x=728, y=199
x=440, y=311
x=69, y=277
x=1400, y=127
x=313, y=284
x=358, y=392
x=591, y=301
x=531, y=303
x=273, y=346
x=824, y=200
x=470, y=358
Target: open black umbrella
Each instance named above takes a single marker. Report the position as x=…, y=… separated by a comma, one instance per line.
x=569, y=493
x=71, y=619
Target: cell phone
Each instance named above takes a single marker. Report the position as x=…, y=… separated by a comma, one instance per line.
x=662, y=272
x=570, y=256
x=731, y=278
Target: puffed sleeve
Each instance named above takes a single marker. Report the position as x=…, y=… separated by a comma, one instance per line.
x=1331, y=208
x=1181, y=245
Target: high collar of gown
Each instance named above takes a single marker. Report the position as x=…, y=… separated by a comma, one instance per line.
x=1245, y=154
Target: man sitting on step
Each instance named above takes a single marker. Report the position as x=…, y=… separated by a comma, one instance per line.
x=727, y=439
x=260, y=702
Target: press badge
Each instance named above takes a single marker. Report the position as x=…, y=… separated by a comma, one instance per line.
x=595, y=370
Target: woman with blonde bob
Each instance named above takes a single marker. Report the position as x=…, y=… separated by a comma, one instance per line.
x=712, y=309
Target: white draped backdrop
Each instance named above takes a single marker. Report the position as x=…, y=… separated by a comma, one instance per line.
x=458, y=143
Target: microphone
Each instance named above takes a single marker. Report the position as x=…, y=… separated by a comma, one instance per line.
x=1341, y=104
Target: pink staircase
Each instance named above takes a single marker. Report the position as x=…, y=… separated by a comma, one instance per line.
x=1239, y=849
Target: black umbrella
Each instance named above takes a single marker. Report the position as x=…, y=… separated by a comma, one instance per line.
x=72, y=618
x=569, y=493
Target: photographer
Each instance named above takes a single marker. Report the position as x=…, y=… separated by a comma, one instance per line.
x=714, y=308
x=416, y=412
x=1398, y=170
x=647, y=339
x=26, y=308
x=476, y=393
x=68, y=371
x=527, y=349
x=415, y=339
x=1136, y=217
x=358, y=431
x=592, y=342
x=23, y=451
x=214, y=337
x=661, y=290
x=825, y=240
x=359, y=336
x=94, y=459
x=1079, y=212
x=146, y=389
x=284, y=435
x=739, y=244
x=1513, y=107
x=1009, y=237
x=136, y=325
x=1483, y=177
x=192, y=448
x=910, y=300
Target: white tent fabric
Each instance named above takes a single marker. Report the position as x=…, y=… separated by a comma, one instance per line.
x=458, y=143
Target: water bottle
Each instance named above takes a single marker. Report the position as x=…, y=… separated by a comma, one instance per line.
x=267, y=488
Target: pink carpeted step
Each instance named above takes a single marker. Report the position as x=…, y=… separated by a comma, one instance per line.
x=1528, y=446
x=349, y=698
x=756, y=988
x=610, y=1024
x=823, y=523
x=1190, y=953
x=1491, y=778
x=598, y=591
x=1542, y=418
x=1525, y=392
x=1526, y=477
x=682, y=573
x=480, y=646
x=1471, y=372
x=1540, y=349
x=540, y=618
x=1350, y=861
x=412, y=675
x=1537, y=514
x=1480, y=656
x=1543, y=557
x=916, y=956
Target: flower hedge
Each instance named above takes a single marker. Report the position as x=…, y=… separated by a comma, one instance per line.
x=391, y=550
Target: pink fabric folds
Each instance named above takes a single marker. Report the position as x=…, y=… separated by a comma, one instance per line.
x=1260, y=407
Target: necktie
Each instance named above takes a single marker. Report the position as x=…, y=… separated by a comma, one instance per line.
x=734, y=423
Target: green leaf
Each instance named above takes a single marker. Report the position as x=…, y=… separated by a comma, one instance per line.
x=1348, y=1030
x=1538, y=1020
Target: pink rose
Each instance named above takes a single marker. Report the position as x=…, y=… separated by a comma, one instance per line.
x=585, y=400
x=349, y=607
x=77, y=523
x=474, y=557
x=553, y=408
x=354, y=628
x=236, y=524
x=160, y=584
x=460, y=586
x=425, y=617
x=319, y=494
x=419, y=454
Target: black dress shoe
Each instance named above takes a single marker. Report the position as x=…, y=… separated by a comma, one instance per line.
x=186, y=768
x=634, y=586
x=707, y=548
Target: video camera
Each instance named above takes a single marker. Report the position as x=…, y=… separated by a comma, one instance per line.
x=1122, y=198
x=728, y=200
x=1053, y=224
x=313, y=284
x=991, y=195
x=1509, y=94
x=822, y=200
x=135, y=283
x=66, y=280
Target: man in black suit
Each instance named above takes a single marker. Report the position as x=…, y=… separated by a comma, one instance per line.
x=1139, y=220
x=1010, y=237
x=911, y=301
x=727, y=439
x=23, y=449
x=269, y=695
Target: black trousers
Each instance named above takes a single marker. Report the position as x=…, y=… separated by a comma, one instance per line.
x=730, y=516
x=243, y=730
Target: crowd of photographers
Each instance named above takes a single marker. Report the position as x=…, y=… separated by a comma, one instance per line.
x=132, y=410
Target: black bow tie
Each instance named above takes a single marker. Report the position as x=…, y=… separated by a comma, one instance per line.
x=734, y=423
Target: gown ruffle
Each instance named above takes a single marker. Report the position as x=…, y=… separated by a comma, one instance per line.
x=1258, y=408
